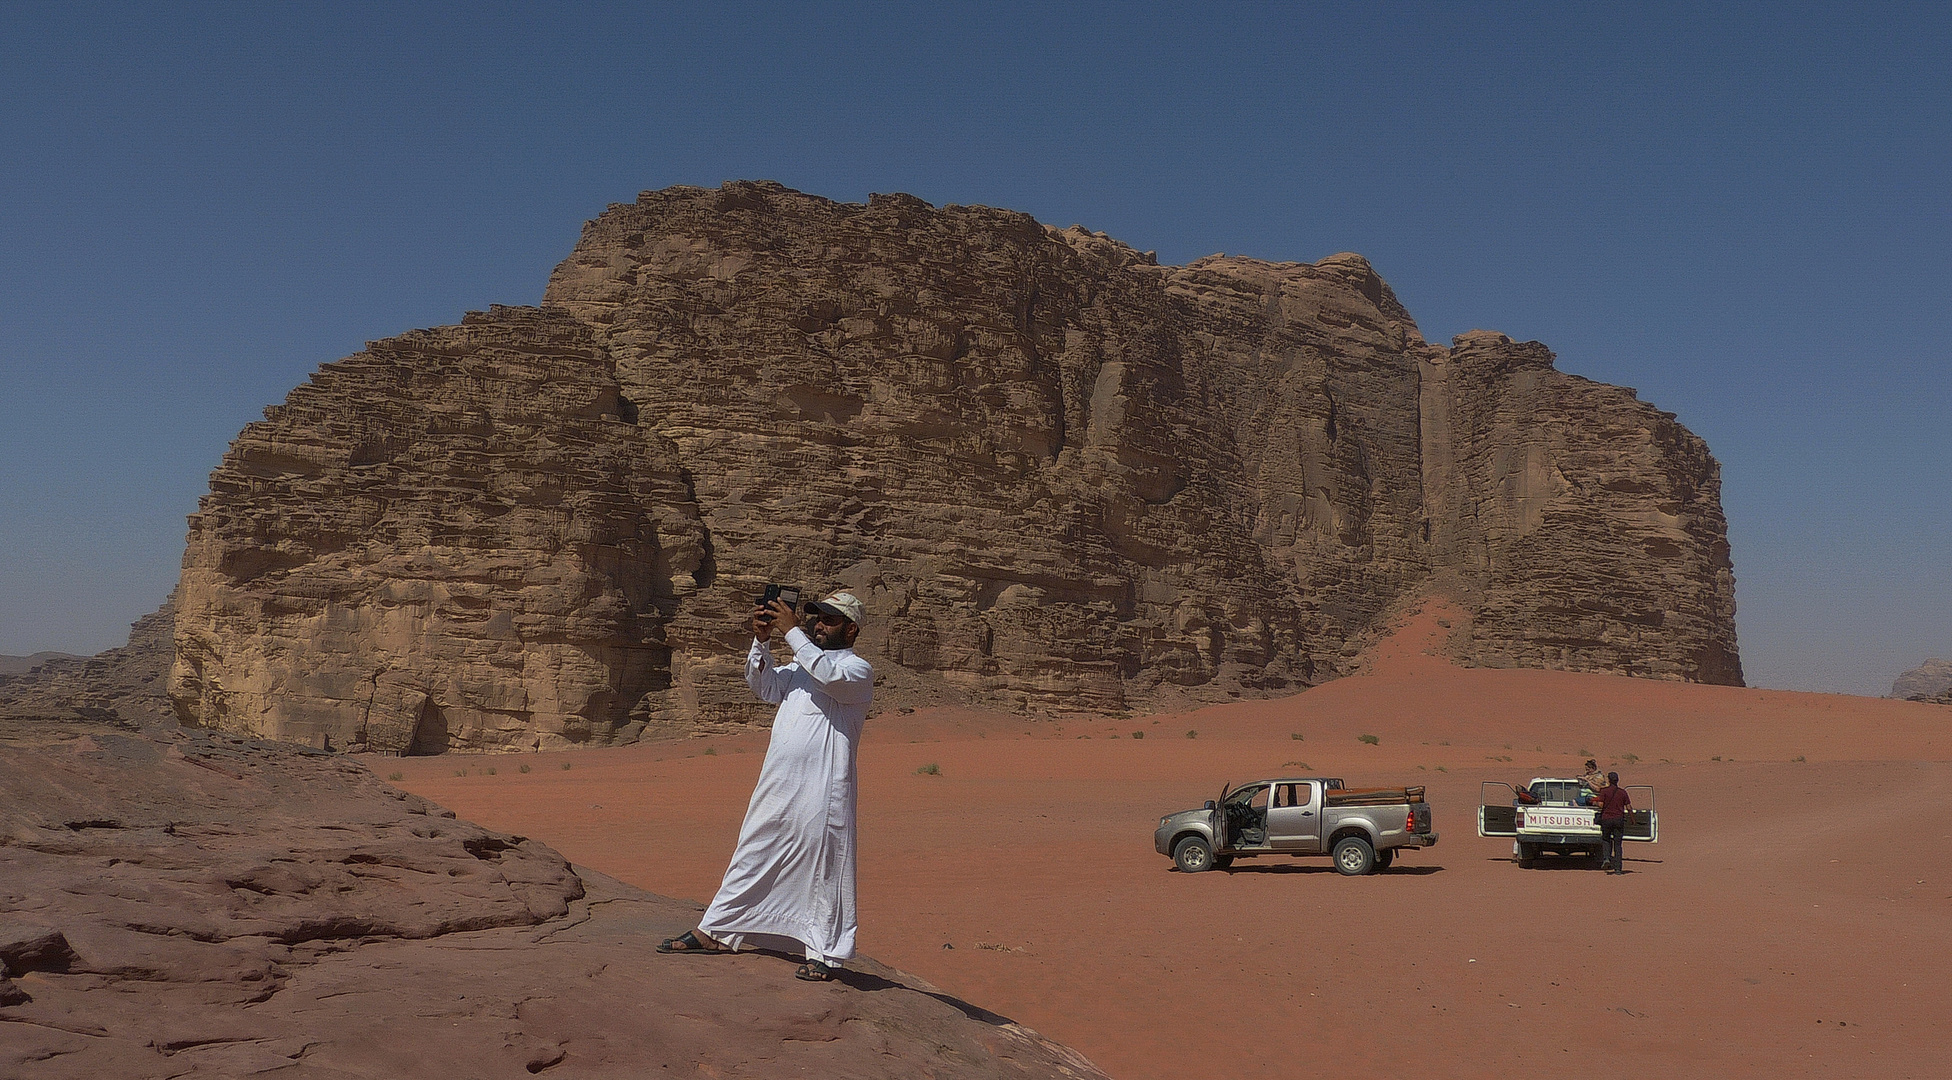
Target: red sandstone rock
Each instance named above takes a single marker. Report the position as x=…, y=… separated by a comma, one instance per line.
x=186, y=904
x=1061, y=476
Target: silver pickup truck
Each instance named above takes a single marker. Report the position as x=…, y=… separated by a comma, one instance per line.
x=1360, y=828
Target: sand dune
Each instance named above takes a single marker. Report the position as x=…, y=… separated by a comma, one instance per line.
x=1793, y=920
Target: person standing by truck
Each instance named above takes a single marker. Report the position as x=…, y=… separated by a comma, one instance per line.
x=1614, y=805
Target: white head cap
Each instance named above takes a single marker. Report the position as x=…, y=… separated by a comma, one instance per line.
x=843, y=604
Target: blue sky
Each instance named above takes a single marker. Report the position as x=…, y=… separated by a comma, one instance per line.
x=1744, y=212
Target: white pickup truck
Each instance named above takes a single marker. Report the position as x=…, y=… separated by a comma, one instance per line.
x=1558, y=815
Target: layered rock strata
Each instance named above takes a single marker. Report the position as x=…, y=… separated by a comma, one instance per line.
x=128, y=681
x=185, y=904
x=1060, y=475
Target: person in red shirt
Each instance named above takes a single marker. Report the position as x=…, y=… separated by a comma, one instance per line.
x=1614, y=805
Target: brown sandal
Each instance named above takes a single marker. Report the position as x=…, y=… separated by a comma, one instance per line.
x=691, y=942
x=814, y=971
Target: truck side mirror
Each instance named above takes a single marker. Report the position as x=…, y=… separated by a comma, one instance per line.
x=1209, y=804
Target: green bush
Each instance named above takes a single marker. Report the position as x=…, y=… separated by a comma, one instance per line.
x=395, y=776
x=1296, y=736
x=523, y=768
x=931, y=769
x=490, y=770
x=1191, y=734
x=1370, y=739
x=1138, y=734
x=565, y=766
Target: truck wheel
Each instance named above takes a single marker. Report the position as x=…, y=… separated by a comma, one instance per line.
x=1527, y=853
x=1384, y=858
x=1354, y=856
x=1193, y=855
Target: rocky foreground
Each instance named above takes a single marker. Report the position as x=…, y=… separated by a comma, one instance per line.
x=182, y=903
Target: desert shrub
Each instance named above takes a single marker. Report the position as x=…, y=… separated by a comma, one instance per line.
x=490, y=770
x=1191, y=734
x=523, y=768
x=1138, y=734
x=931, y=769
x=711, y=751
x=460, y=772
x=395, y=776
x=1296, y=736
x=565, y=766
x=1369, y=739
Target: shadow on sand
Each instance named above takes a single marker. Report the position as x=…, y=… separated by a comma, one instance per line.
x=1589, y=863
x=1306, y=868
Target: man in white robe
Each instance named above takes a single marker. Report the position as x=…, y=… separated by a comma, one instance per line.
x=791, y=882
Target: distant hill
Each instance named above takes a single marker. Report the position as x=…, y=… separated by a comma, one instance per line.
x=1931, y=679
x=127, y=680
x=21, y=665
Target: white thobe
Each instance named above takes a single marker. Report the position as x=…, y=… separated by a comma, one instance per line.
x=792, y=875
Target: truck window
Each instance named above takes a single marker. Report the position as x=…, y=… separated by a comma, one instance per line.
x=1292, y=795
x=1252, y=795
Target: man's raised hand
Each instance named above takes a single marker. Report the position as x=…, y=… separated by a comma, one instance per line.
x=770, y=616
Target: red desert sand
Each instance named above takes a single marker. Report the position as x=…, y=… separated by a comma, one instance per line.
x=1795, y=918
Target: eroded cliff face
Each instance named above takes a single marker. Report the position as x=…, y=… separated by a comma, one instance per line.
x=1061, y=476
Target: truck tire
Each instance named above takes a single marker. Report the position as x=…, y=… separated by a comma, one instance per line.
x=1353, y=856
x=1192, y=855
x=1383, y=859
x=1527, y=853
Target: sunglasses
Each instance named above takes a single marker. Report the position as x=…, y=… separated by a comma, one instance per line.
x=824, y=618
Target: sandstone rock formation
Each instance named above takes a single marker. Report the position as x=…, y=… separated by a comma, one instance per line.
x=1060, y=475
x=1929, y=680
x=128, y=681
x=183, y=904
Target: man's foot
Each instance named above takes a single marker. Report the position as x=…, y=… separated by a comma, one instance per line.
x=691, y=941
x=814, y=971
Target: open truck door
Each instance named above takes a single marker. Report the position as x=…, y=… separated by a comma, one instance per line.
x=1643, y=822
x=1497, y=809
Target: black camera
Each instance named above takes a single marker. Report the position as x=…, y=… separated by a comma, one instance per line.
x=786, y=594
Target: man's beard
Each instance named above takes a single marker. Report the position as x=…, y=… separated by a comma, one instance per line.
x=828, y=640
